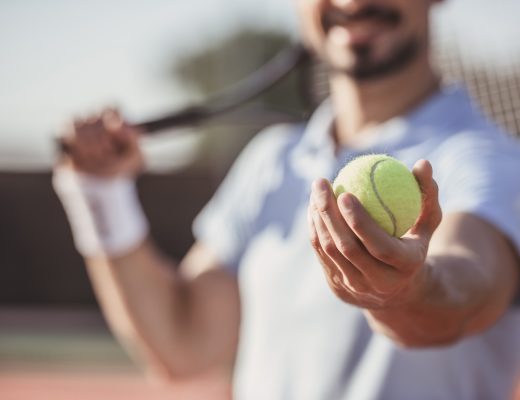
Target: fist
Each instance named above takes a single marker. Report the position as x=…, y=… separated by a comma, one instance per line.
x=102, y=145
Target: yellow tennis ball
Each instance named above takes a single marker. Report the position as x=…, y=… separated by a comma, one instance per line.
x=386, y=188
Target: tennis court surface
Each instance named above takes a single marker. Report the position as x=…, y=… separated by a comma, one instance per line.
x=63, y=355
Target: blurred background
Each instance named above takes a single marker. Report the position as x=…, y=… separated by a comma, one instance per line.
x=65, y=58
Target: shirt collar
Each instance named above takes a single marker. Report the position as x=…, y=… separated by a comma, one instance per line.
x=436, y=116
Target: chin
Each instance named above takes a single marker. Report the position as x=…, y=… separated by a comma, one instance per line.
x=361, y=64
x=339, y=62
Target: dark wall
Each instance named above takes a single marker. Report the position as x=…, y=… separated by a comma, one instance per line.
x=38, y=262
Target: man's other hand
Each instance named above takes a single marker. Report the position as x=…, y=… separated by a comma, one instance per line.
x=103, y=145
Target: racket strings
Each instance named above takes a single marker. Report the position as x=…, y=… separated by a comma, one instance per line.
x=494, y=86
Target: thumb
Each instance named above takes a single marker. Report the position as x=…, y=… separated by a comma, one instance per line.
x=431, y=213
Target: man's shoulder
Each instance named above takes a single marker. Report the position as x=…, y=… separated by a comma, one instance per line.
x=475, y=129
x=481, y=158
x=480, y=138
x=462, y=124
x=272, y=142
x=278, y=135
x=475, y=151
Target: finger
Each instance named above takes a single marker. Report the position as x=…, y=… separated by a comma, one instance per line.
x=112, y=120
x=114, y=126
x=324, y=202
x=87, y=130
x=332, y=273
x=123, y=136
x=347, y=288
x=87, y=144
x=93, y=135
x=124, y=140
x=325, y=239
x=313, y=235
x=351, y=277
x=92, y=141
x=345, y=240
x=387, y=249
x=431, y=213
x=77, y=124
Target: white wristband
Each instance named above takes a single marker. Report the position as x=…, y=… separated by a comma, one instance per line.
x=105, y=215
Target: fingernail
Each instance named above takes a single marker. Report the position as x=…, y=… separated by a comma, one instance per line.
x=346, y=201
x=320, y=185
x=324, y=185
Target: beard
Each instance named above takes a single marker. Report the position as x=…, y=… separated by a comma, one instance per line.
x=365, y=64
x=366, y=69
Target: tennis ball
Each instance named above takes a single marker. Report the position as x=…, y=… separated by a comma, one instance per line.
x=386, y=188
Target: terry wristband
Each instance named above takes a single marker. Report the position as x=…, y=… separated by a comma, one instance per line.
x=105, y=214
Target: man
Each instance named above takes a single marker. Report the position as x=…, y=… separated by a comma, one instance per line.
x=427, y=316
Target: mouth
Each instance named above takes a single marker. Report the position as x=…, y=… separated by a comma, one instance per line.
x=360, y=25
x=371, y=13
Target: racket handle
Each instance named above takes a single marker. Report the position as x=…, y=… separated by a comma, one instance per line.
x=188, y=117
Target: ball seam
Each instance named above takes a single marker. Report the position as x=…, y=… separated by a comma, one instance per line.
x=380, y=199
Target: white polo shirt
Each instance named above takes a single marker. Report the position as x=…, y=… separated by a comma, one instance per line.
x=298, y=340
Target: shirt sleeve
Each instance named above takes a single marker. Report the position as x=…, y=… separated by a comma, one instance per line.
x=480, y=175
x=226, y=224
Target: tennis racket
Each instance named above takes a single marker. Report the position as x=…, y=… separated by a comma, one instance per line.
x=230, y=99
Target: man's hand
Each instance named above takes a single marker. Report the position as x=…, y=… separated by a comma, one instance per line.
x=103, y=145
x=364, y=265
x=95, y=183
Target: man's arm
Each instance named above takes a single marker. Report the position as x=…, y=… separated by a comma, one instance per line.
x=437, y=284
x=180, y=322
x=470, y=277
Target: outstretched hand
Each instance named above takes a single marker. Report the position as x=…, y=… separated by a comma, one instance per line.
x=364, y=265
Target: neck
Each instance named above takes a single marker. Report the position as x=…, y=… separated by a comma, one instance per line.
x=361, y=106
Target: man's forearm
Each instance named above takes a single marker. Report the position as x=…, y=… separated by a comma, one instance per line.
x=145, y=303
x=179, y=324
x=456, y=297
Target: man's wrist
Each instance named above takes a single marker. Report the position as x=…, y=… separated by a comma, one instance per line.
x=418, y=318
x=105, y=215
x=419, y=288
